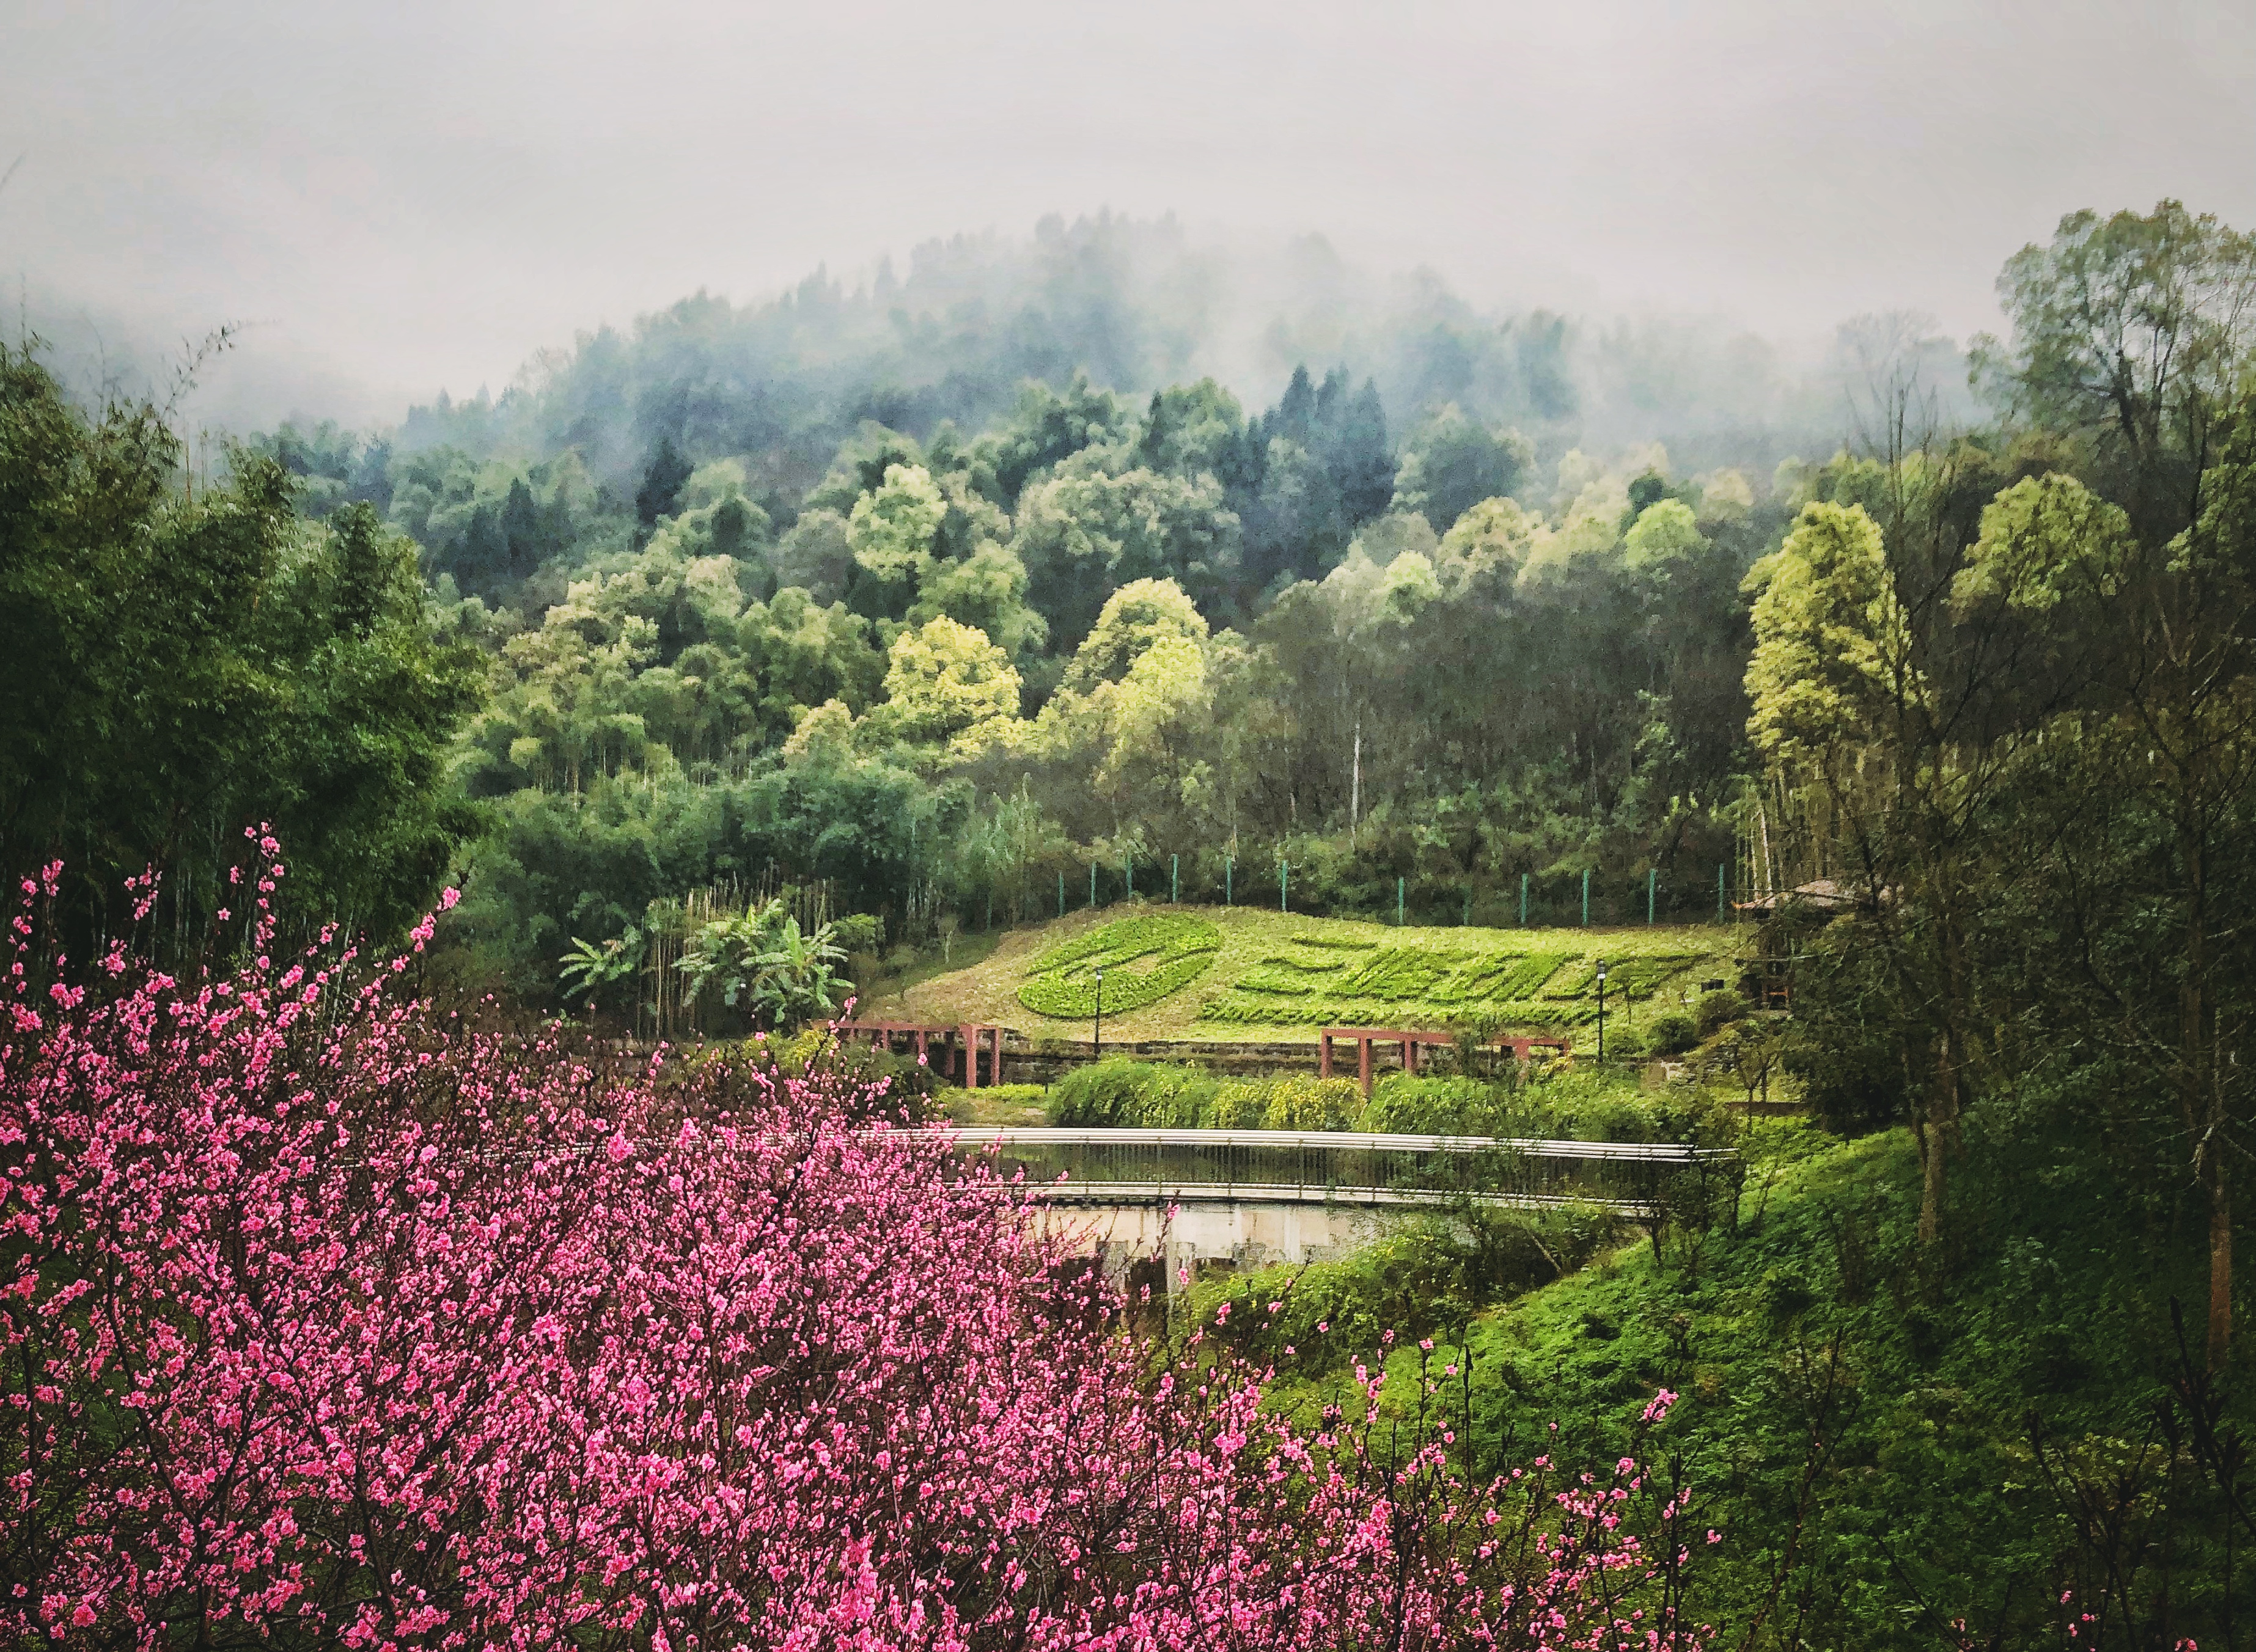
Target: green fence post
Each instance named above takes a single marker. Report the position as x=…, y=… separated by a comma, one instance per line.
x=1174, y=878
x=1586, y=896
x=1651, y=884
x=1284, y=883
x=1523, y=900
x=1398, y=902
x=1719, y=892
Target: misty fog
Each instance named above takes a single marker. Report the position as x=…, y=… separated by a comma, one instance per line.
x=394, y=204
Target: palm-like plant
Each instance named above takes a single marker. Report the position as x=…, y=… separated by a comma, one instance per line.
x=723, y=955
x=588, y=971
x=760, y=961
x=796, y=979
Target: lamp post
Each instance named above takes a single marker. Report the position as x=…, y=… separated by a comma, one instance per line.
x=1602, y=1011
x=1096, y=1033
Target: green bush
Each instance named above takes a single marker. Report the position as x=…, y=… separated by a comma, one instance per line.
x=1717, y=1008
x=1582, y=1104
x=1594, y=1104
x=1062, y=982
x=1300, y=1101
x=1401, y=1105
x=995, y=1096
x=1103, y=1096
x=1625, y=1041
x=1672, y=1033
x=1121, y=1093
x=1426, y=1278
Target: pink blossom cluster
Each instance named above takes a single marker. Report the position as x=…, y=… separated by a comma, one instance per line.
x=330, y=1321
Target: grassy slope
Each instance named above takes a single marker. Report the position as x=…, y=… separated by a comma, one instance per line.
x=1817, y=1320
x=987, y=991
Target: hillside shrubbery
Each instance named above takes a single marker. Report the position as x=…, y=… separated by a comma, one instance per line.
x=1120, y=1092
x=1573, y=1106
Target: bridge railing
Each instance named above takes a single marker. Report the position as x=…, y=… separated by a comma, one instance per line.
x=1316, y=1166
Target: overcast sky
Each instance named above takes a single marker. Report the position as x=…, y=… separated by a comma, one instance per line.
x=405, y=195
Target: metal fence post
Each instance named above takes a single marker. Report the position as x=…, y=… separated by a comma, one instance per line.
x=1061, y=895
x=1523, y=900
x=1284, y=883
x=1174, y=878
x=1586, y=896
x=1229, y=865
x=1398, y=882
x=1651, y=885
x=1092, y=885
x=1128, y=872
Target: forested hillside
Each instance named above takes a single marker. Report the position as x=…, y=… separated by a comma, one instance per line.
x=949, y=589
x=954, y=592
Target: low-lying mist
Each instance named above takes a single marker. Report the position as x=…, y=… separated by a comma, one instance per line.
x=950, y=331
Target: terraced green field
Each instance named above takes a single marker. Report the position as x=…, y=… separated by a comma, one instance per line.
x=1177, y=972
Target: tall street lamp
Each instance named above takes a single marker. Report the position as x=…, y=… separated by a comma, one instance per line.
x=1096, y=1033
x=1602, y=1011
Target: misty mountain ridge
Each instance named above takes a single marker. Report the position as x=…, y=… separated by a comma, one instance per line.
x=1137, y=305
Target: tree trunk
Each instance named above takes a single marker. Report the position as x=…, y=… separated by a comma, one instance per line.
x=2204, y=1105
x=1935, y=1134
x=2220, y=1257
x=1354, y=789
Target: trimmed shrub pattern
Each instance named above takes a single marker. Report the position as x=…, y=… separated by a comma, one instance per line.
x=1341, y=981
x=1062, y=982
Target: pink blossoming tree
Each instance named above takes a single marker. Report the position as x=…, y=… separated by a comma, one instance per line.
x=330, y=1321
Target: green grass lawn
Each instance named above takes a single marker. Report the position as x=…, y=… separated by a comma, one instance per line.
x=1272, y=975
x=994, y=1104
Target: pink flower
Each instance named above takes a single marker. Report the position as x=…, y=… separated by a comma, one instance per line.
x=673, y=1355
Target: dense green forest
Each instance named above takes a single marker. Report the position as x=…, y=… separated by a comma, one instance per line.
x=944, y=592
x=953, y=597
